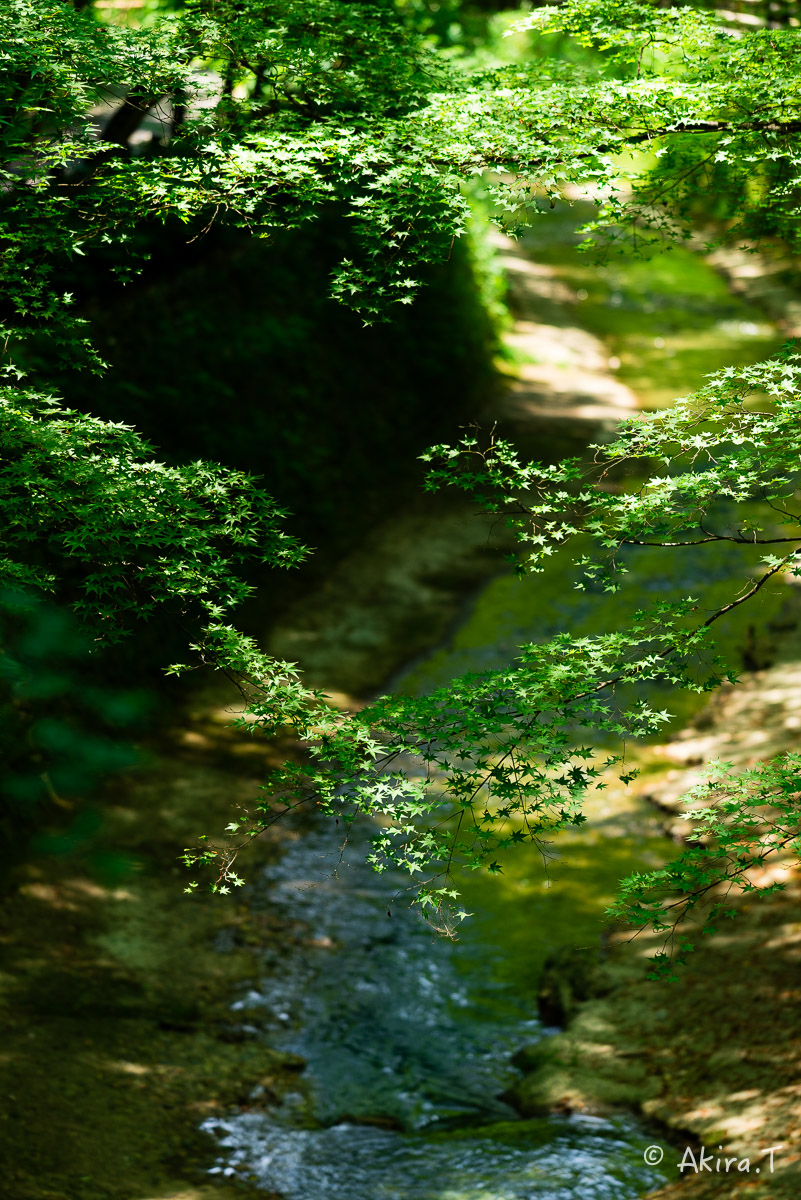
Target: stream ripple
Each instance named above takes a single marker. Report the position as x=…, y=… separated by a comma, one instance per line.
x=408, y=1040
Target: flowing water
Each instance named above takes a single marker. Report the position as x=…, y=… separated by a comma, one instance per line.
x=408, y=1038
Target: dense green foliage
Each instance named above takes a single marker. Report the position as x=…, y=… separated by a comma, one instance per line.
x=89, y=510
x=715, y=450
x=270, y=116
x=265, y=115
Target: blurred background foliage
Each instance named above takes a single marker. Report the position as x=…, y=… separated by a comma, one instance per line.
x=66, y=727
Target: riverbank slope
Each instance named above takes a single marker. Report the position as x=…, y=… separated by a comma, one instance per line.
x=715, y=1057
x=115, y=988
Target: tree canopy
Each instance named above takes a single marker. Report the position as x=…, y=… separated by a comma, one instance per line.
x=266, y=115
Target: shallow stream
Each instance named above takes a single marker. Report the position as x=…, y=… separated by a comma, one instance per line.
x=408, y=1038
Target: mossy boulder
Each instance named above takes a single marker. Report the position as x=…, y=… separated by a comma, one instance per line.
x=574, y=1072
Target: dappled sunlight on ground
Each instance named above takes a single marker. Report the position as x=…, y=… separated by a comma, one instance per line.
x=561, y=370
x=118, y=1040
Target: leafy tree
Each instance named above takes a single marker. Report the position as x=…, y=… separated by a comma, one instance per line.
x=265, y=115
x=687, y=476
